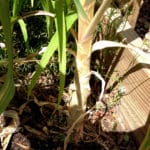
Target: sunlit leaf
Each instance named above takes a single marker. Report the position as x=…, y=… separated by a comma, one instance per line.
x=106, y=44
x=32, y=3
x=100, y=45
x=24, y=32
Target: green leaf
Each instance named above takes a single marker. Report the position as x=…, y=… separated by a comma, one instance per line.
x=24, y=32
x=52, y=46
x=146, y=142
x=47, y=6
x=32, y=3
x=61, y=31
x=15, y=13
x=80, y=10
x=68, y=2
x=16, y=7
x=126, y=138
x=7, y=90
x=70, y=20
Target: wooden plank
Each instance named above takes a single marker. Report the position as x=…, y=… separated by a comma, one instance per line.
x=134, y=70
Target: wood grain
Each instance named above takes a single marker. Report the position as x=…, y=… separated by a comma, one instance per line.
x=134, y=70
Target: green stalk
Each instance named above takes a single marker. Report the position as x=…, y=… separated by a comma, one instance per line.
x=7, y=90
x=61, y=31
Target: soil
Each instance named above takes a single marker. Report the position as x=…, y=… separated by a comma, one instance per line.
x=40, y=124
x=36, y=125
x=143, y=22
